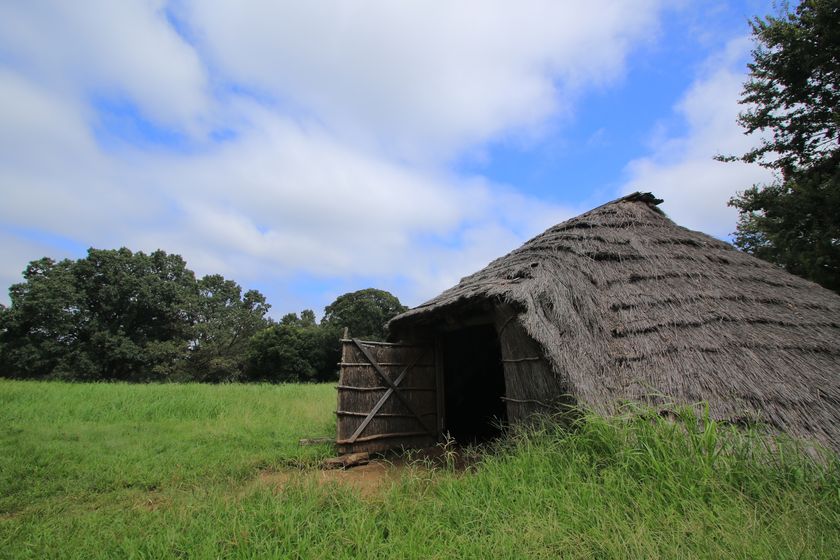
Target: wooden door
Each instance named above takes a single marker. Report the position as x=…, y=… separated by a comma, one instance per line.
x=388, y=396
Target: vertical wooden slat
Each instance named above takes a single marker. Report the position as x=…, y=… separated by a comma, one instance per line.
x=341, y=376
x=439, y=385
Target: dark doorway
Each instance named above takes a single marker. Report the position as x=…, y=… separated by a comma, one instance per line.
x=474, y=382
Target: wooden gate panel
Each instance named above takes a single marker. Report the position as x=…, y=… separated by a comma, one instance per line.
x=386, y=396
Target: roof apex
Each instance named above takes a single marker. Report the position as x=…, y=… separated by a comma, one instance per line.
x=647, y=197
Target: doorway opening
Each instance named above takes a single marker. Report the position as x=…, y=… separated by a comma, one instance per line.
x=474, y=384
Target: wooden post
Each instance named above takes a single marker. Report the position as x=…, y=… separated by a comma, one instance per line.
x=340, y=381
x=440, y=385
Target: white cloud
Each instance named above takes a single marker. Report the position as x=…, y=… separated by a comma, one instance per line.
x=336, y=169
x=681, y=169
x=422, y=79
x=284, y=199
x=291, y=199
x=100, y=47
x=53, y=176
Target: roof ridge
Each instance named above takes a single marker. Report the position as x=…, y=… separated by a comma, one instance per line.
x=647, y=197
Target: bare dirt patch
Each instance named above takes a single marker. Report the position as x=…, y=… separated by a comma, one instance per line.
x=368, y=479
x=152, y=501
x=378, y=475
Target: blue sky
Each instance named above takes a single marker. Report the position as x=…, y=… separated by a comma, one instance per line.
x=311, y=150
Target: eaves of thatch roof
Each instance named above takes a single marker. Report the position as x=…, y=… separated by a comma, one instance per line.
x=629, y=306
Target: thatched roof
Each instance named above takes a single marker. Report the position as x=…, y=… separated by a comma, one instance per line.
x=627, y=305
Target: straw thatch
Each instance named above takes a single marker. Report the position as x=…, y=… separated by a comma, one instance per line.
x=625, y=305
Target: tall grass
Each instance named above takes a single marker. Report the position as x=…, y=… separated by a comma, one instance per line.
x=75, y=442
x=635, y=486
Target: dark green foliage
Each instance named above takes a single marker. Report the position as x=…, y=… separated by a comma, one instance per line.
x=300, y=349
x=40, y=328
x=225, y=322
x=364, y=313
x=293, y=352
x=307, y=318
x=296, y=349
x=795, y=223
x=794, y=95
x=119, y=315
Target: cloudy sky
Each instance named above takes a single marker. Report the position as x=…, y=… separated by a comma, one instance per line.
x=307, y=149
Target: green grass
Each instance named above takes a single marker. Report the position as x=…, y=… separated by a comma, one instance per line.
x=173, y=471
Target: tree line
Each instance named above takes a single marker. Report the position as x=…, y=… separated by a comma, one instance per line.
x=119, y=315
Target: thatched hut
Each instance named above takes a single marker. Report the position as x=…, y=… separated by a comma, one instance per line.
x=618, y=304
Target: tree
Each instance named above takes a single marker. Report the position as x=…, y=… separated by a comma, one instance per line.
x=296, y=349
x=224, y=322
x=137, y=312
x=307, y=318
x=42, y=327
x=289, y=352
x=793, y=98
x=128, y=316
x=364, y=313
x=300, y=349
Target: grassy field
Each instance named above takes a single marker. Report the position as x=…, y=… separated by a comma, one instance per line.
x=196, y=471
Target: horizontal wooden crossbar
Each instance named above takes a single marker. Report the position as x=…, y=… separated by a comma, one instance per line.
x=527, y=401
x=389, y=364
x=529, y=359
x=383, y=388
x=384, y=436
x=382, y=414
x=376, y=343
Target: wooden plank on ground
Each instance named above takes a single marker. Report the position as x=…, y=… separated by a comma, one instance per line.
x=347, y=461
